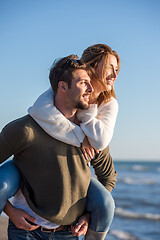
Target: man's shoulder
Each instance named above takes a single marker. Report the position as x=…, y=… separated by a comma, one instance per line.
x=19, y=125
x=19, y=122
x=18, y=133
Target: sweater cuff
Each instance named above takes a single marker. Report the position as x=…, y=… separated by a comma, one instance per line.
x=88, y=114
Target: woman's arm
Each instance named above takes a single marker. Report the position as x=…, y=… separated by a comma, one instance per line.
x=54, y=122
x=98, y=123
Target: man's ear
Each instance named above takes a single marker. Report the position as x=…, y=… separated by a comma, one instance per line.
x=62, y=86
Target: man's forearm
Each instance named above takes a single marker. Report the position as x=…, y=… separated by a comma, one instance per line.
x=104, y=169
x=8, y=209
x=20, y=218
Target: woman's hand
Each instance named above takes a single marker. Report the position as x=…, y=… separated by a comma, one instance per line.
x=87, y=149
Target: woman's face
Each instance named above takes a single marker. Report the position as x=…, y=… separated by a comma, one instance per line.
x=108, y=74
x=110, y=71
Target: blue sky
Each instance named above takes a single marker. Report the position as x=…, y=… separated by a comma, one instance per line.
x=34, y=33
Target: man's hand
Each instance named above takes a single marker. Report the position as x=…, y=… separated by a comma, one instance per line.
x=88, y=149
x=82, y=226
x=20, y=218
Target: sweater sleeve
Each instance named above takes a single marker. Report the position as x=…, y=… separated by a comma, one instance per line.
x=5, y=149
x=54, y=122
x=14, y=138
x=8, y=141
x=104, y=169
x=98, y=123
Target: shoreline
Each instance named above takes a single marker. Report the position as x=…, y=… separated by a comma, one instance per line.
x=3, y=227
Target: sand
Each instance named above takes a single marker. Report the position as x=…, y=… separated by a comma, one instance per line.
x=3, y=227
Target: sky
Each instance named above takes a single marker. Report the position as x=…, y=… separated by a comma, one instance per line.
x=35, y=33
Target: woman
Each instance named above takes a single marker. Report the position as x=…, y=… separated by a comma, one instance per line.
x=97, y=123
x=104, y=107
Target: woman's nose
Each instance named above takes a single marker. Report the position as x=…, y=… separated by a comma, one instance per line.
x=114, y=73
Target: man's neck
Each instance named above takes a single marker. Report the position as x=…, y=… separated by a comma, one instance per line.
x=67, y=111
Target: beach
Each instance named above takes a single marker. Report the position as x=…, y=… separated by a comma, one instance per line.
x=3, y=227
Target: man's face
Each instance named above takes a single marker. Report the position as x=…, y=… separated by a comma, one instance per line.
x=79, y=92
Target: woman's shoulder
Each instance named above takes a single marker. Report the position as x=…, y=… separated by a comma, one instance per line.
x=113, y=103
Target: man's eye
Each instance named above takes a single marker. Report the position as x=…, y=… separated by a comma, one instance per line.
x=84, y=82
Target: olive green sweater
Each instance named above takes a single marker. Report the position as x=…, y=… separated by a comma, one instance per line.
x=55, y=175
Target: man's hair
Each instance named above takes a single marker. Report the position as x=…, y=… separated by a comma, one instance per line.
x=63, y=70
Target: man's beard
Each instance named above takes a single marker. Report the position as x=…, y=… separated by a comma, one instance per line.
x=82, y=106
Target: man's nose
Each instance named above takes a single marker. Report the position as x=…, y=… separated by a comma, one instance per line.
x=90, y=88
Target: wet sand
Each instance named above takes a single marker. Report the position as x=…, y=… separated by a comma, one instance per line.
x=3, y=227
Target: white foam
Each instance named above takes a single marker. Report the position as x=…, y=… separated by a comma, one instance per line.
x=138, y=167
x=134, y=181
x=158, y=169
x=122, y=235
x=128, y=214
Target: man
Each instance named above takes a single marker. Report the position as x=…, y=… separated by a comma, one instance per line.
x=55, y=175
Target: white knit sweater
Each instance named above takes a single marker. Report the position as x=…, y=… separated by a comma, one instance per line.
x=97, y=123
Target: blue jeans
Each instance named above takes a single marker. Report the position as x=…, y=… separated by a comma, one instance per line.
x=9, y=182
x=101, y=206
x=15, y=233
x=99, y=201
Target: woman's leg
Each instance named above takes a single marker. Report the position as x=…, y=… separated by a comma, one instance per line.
x=101, y=206
x=9, y=182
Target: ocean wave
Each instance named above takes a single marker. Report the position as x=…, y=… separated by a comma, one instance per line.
x=120, y=212
x=140, y=168
x=134, y=181
x=122, y=235
x=158, y=169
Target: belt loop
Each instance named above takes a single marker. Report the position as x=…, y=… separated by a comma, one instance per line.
x=65, y=228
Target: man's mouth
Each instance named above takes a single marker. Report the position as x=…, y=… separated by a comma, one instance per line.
x=86, y=97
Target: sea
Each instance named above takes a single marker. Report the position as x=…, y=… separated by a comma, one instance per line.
x=137, y=199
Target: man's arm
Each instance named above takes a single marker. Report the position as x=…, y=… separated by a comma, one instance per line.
x=23, y=220
x=104, y=169
x=20, y=218
x=5, y=150
x=82, y=225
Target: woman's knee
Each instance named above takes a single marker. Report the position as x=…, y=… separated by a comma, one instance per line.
x=100, y=198
x=9, y=180
x=101, y=205
x=108, y=204
x=105, y=203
